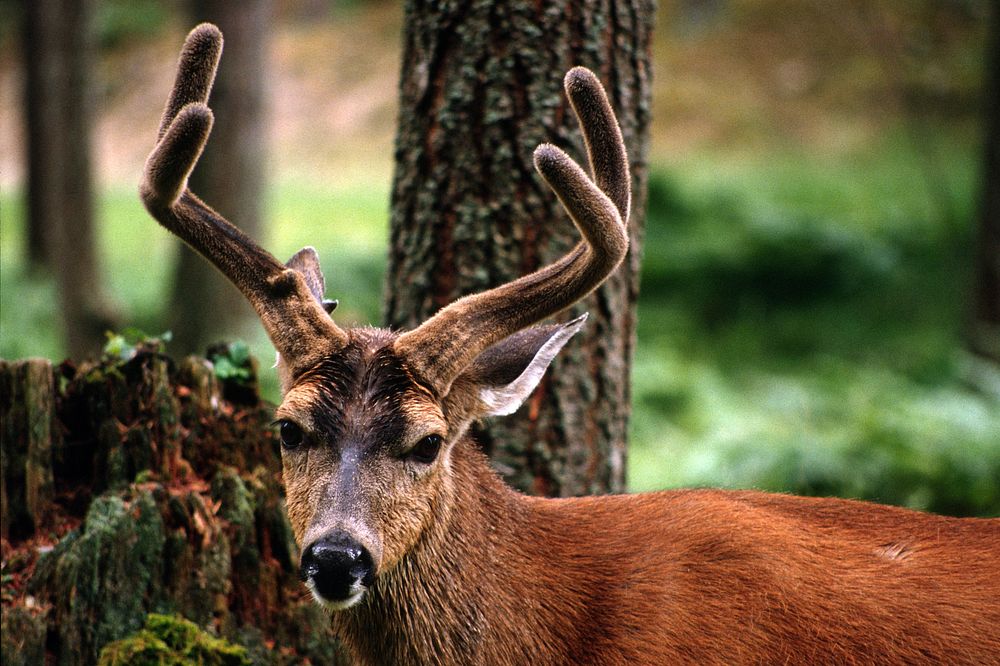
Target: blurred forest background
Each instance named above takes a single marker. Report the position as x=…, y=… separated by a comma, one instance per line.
x=819, y=305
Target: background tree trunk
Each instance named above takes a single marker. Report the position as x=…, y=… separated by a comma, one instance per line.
x=42, y=68
x=986, y=311
x=58, y=47
x=230, y=174
x=480, y=88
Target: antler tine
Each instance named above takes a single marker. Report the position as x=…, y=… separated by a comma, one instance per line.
x=295, y=321
x=603, y=137
x=448, y=342
x=196, y=68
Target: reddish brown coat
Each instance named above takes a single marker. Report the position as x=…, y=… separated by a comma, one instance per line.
x=689, y=576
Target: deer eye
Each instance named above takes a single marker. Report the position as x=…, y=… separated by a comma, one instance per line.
x=426, y=450
x=291, y=434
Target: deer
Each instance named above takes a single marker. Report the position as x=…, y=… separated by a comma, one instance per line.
x=423, y=555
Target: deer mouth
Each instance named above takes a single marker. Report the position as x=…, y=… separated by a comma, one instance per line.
x=354, y=594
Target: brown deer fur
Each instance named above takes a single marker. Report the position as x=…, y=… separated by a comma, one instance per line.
x=467, y=571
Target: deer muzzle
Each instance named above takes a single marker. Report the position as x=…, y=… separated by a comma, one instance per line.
x=337, y=569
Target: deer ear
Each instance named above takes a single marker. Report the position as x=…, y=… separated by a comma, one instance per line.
x=509, y=371
x=306, y=262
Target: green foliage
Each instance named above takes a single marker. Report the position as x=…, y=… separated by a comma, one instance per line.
x=123, y=346
x=27, y=300
x=136, y=254
x=804, y=335
x=170, y=640
x=22, y=635
x=232, y=362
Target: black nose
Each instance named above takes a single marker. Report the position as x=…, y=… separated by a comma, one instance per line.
x=335, y=563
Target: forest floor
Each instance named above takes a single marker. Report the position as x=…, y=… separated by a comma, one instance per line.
x=815, y=177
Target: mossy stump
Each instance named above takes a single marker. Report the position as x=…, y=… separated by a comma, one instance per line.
x=133, y=486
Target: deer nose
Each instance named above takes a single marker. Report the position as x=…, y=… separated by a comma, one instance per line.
x=338, y=567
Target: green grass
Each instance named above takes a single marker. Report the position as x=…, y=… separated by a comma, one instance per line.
x=27, y=312
x=348, y=226
x=801, y=330
x=800, y=324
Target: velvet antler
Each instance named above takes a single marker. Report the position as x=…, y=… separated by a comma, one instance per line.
x=293, y=315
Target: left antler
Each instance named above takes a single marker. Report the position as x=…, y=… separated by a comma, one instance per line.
x=293, y=316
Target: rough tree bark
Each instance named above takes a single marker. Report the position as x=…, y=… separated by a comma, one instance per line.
x=986, y=310
x=481, y=86
x=229, y=176
x=58, y=48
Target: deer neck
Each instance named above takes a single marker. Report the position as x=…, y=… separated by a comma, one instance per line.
x=461, y=594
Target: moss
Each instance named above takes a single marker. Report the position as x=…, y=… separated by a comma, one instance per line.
x=170, y=640
x=101, y=577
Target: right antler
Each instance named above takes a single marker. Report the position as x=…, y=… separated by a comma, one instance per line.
x=294, y=319
x=449, y=341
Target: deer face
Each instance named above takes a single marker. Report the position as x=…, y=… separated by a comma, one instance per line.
x=365, y=454
x=370, y=418
x=366, y=449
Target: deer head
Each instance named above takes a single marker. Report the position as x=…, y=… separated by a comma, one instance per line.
x=370, y=417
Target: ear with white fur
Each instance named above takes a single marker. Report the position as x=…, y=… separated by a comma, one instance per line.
x=509, y=371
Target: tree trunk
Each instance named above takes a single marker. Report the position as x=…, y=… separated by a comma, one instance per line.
x=480, y=88
x=986, y=312
x=230, y=174
x=58, y=51
x=27, y=402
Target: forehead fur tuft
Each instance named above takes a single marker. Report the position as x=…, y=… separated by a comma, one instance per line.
x=364, y=387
